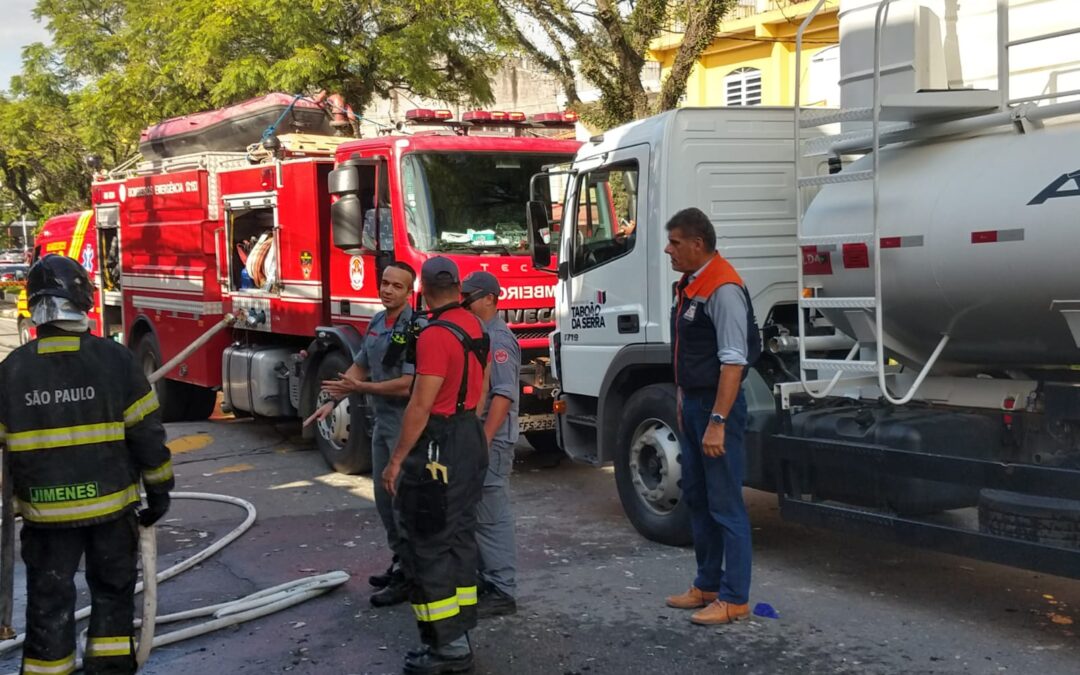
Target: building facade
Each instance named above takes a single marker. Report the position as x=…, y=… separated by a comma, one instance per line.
x=752, y=59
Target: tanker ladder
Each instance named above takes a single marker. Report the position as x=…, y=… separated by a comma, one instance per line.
x=909, y=116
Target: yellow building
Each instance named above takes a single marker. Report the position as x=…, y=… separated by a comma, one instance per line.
x=752, y=59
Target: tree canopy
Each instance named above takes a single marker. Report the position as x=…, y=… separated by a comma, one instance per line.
x=606, y=42
x=117, y=66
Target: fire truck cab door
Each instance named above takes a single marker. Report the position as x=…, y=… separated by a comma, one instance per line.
x=362, y=234
x=604, y=267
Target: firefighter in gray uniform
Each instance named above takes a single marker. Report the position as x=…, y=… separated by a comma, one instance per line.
x=81, y=426
x=494, y=517
x=382, y=372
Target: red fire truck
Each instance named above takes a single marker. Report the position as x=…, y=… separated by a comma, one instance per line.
x=252, y=231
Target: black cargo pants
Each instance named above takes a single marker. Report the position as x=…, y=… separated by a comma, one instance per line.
x=52, y=557
x=439, y=525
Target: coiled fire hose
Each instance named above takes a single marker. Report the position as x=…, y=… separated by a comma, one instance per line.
x=253, y=606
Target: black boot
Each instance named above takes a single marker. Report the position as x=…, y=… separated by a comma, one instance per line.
x=493, y=602
x=430, y=662
x=383, y=580
x=395, y=593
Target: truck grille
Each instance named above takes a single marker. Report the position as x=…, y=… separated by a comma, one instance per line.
x=531, y=333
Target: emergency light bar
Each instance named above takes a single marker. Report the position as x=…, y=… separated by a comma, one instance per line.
x=428, y=115
x=493, y=116
x=555, y=118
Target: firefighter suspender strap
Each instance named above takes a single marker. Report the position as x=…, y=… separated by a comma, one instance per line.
x=478, y=347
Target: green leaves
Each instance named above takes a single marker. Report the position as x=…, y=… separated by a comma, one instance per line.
x=117, y=66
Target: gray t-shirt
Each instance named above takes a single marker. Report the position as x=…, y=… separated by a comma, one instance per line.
x=505, y=376
x=377, y=340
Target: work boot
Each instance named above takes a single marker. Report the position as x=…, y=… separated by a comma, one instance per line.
x=383, y=580
x=692, y=599
x=493, y=602
x=395, y=593
x=719, y=612
x=430, y=662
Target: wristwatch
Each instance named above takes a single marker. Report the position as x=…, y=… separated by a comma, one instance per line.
x=717, y=418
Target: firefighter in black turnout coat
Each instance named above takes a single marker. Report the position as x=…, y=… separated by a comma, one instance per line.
x=81, y=427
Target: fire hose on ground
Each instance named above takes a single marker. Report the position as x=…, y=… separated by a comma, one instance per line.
x=253, y=606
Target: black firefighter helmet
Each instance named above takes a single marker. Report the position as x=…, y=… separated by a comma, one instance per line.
x=61, y=277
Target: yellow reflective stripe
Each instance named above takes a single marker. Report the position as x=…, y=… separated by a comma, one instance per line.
x=158, y=475
x=137, y=411
x=55, y=345
x=78, y=509
x=75, y=246
x=58, y=667
x=435, y=611
x=108, y=646
x=84, y=434
x=466, y=595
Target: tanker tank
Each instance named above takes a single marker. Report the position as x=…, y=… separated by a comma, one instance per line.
x=980, y=240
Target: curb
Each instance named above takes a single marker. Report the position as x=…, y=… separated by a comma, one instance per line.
x=11, y=313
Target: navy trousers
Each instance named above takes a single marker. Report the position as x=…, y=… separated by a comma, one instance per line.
x=712, y=488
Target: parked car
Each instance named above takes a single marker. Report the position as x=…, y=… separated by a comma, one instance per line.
x=12, y=255
x=13, y=271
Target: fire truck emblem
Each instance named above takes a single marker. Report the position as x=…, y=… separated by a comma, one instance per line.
x=305, y=263
x=88, y=258
x=356, y=272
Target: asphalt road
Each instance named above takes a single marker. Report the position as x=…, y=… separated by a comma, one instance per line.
x=591, y=589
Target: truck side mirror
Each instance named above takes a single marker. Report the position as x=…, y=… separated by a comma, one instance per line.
x=539, y=247
x=346, y=213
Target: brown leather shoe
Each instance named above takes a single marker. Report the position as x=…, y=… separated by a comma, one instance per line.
x=692, y=599
x=719, y=612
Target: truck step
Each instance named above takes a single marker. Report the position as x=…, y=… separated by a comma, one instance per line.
x=832, y=178
x=582, y=420
x=838, y=303
x=837, y=364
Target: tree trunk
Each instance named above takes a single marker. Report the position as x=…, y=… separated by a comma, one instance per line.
x=703, y=17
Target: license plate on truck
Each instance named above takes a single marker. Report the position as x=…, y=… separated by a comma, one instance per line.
x=529, y=423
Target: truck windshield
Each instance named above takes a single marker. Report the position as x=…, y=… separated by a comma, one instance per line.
x=470, y=202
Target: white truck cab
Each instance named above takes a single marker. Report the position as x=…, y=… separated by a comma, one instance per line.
x=611, y=351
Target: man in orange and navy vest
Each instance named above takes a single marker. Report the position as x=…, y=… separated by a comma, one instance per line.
x=81, y=427
x=715, y=341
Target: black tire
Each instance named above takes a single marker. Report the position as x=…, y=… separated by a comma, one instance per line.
x=344, y=450
x=170, y=396
x=647, y=466
x=24, y=331
x=201, y=402
x=1045, y=520
x=544, y=442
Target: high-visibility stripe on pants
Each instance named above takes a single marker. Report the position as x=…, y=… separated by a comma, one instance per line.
x=438, y=610
x=466, y=596
x=108, y=646
x=58, y=667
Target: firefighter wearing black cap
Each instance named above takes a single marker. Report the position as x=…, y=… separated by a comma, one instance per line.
x=441, y=459
x=81, y=428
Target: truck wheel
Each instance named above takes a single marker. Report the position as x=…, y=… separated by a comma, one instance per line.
x=1044, y=520
x=344, y=437
x=648, y=466
x=201, y=402
x=24, y=331
x=544, y=442
x=170, y=398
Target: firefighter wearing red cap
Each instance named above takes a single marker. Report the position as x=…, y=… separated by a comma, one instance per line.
x=437, y=471
x=81, y=428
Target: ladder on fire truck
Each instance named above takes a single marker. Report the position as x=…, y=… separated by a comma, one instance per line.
x=914, y=116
